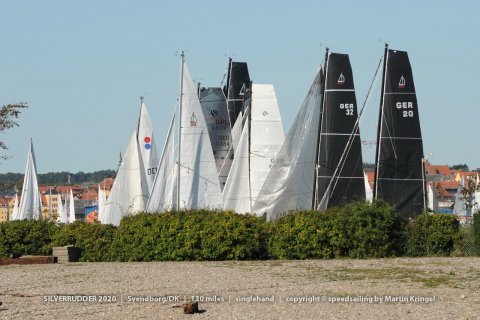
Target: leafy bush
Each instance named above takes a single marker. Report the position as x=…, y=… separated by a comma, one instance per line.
x=190, y=235
x=373, y=230
x=94, y=239
x=431, y=235
x=358, y=230
x=19, y=238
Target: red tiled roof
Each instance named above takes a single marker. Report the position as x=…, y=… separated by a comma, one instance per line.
x=448, y=184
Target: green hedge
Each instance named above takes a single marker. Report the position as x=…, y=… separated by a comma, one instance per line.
x=432, y=235
x=19, y=238
x=190, y=235
x=358, y=230
x=94, y=239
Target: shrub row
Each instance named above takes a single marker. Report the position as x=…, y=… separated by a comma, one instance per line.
x=358, y=230
x=476, y=230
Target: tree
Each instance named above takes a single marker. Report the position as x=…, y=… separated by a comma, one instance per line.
x=8, y=116
x=8, y=119
x=468, y=195
x=462, y=167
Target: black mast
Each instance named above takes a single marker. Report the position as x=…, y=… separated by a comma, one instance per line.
x=380, y=115
x=323, y=72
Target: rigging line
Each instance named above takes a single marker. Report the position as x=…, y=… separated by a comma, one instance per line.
x=353, y=133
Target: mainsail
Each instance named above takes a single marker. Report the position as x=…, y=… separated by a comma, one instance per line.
x=238, y=81
x=399, y=177
x=266, y=134
x=340, y=176
x=214, y=107
x=161, y=197
x=289, y=184
x=147, y=145
x=199, y=185
x=129, y=191
x=30, y=203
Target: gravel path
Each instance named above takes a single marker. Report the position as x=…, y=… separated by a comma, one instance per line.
x=403, y=288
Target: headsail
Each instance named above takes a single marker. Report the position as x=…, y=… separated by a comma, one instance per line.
x=289, y=185
x=71, y=210
x=161, y=197
x=399, y=177
x=237, y=193
x=129, y=192
x=14, y=215
x=340, y=168
x=62, y=214
x=30, y=203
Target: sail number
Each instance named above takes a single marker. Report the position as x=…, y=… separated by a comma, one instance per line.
x=405, y=105
x=151, y=171
x=348, y=107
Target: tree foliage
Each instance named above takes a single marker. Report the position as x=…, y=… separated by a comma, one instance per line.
x=8, y=119
x=461, y=166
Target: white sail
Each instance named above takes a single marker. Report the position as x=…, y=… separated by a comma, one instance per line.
x=129, y=191
x=214, y=107
x=71, y=209
x=289, y=185
x=147, y=145
x=430, y=197
x=199, y=183
x=368, y=189
x=30, y=203
x=236, y=193
x=102, y=200
x=459, y=207
x=14, y=215
x=161, y=197
x=237, y=131
x=62, y=214
x=266, y=133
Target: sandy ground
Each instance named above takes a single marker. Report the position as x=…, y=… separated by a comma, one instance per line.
x=425, y=288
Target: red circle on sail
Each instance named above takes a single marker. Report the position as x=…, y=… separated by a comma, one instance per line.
x=147, y=139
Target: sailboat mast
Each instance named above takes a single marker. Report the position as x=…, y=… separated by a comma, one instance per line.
x=182, y=61
x=249, y=123
x=322, y=83
x=139, y=115
x=379, y=127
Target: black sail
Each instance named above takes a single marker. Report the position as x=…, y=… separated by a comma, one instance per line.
x=238, y=81
x=340, y=168
x=399, y=176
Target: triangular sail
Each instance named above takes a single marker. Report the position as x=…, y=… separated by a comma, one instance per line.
x=214, y=107
x=161, y=197
x=236, y=194
x=399, y=170
x=129, y=192
x=340, y=167
x=62, y=214
x=267, y=135
x=147, y=145
x=30, y=203
x=71, y=210
x=432, y=197
x=14, y=215
x=199, y=183
x=289, y=185
x=102, y=200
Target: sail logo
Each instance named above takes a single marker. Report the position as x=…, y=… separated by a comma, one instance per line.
x=265, y=113
x=193, y=120
x=148, y=142
x=401, y=83
x=214, y=112
x=341, y=80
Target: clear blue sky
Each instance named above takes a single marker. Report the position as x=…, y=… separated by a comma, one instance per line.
x=82, y=66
